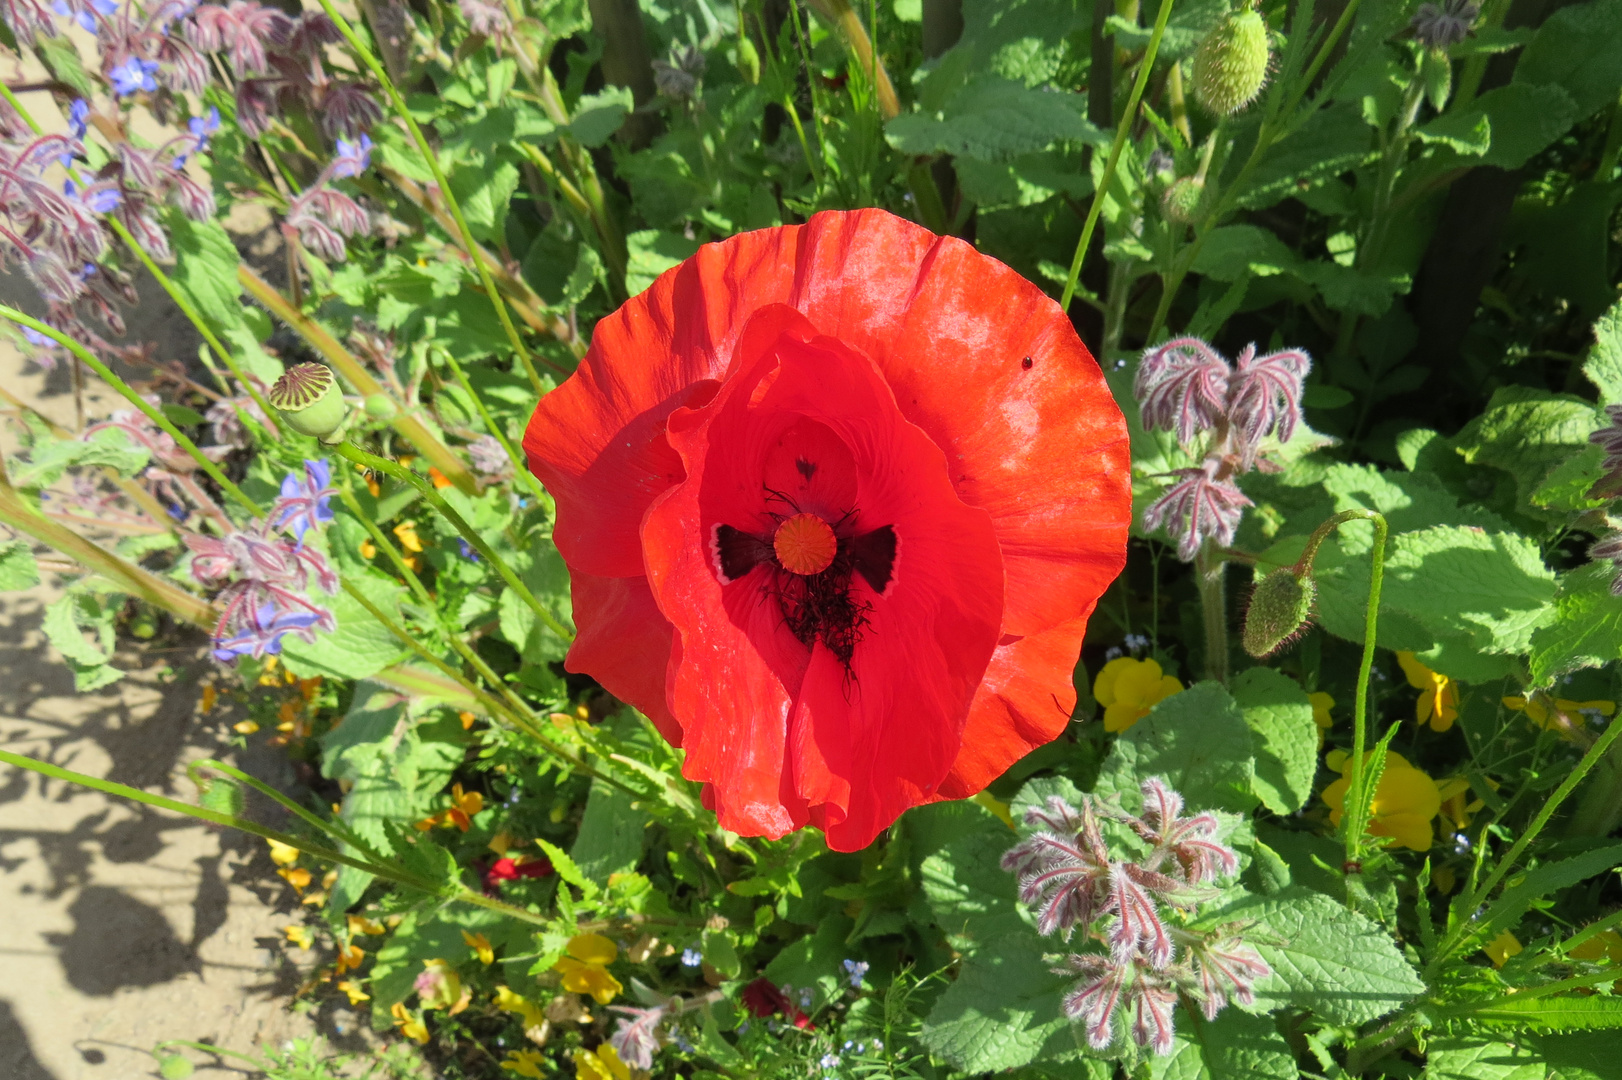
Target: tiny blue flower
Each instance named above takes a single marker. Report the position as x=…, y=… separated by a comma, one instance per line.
x=467, y=550
x=133, y=75
x=79, y=118
x=856, y=970
x=691, y=958
x=829, y=1061
x=353, y=158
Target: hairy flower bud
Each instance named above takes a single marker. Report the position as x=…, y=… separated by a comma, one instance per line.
x=380, y=407
x=1280, y=606
x=748, y=62
x=1181, y=202
x=1230, y=64
x=308, y=399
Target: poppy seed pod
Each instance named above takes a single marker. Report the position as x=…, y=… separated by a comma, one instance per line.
x=1230, y=64
x=1280, y=606
x=308, y=399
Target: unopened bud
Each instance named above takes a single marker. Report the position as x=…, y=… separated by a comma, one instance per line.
x=748, y=62
x=174, y=1067
x=1230, y=64
x=308, y=399
x=1280, y=607
x=1181, y=203
x=221, y=796
x=380, y=407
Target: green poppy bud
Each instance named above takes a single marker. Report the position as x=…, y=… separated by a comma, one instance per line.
x=1280, y=607
x=221, y=796
x=1230, y=64
x=380, y=407
x=309, y=401
x=1181, y=202
x=748, y=62
x=143, y=625
x=174, y=1067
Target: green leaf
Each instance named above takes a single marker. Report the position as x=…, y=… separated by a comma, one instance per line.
x=1604, y=364
x=652, y=253
x=994, y=119
x=17, y=567
x=1578, y=1056
x=1025, y=40
x=205, y=271
x=1280, y=717
x=1234, y=1046
x=1525, y=890
x=484, y=192
x=1324, y=957
x=65, y=623
x=548, y=579
x=1197, y=740
x=1566, y=487
x=813, y=959
x=1586, y=630
x=565, y=866
x=1579, y=49
x=1003, y=1010
x=1234, y=252
x=597, y=116
x=360, y=646
x=1331, y=142
x=1552, y=1013
x=611, y=832
x=51, y=457
x=1527, y=432
x=1466, y=133
x=1465, y=1058
x=972, y=897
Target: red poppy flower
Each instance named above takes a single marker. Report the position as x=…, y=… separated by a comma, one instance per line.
x=764, y=999
x=508, y=869
x=837, y=500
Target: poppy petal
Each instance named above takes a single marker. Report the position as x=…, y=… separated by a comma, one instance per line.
x=1025, y=701
x=868, y=734
x=623, y=641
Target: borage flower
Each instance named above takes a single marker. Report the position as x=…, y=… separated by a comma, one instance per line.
x=837, y=500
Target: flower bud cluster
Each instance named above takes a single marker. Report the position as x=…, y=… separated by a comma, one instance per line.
x=321, y=216
x=1130, y=907
x=1188, y=388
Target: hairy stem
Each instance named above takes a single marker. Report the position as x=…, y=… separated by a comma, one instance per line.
x=1210, y=574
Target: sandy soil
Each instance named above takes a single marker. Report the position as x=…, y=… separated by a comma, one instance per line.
x=123, y=926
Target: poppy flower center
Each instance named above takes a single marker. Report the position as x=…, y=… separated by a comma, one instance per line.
x=805, y=544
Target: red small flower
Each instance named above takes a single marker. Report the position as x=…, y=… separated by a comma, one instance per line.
x=507, y=869
x=837, y=500
x=764, y=999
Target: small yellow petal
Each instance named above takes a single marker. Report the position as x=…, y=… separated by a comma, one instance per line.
x=593, y=949
x=481, y=946
x=1502, y=948
x=245, y=727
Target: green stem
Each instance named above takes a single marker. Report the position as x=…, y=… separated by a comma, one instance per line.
x=432, y=160
x=1357, y=804
x=520, y=466
x=334, y=828
x=1122, y=130
x=209, y=1048
x=1463, y=930
x=433, y=498
x=1210, y=573
x=129, y=394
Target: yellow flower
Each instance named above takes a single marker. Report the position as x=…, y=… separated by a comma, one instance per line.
x=350, y=956
x=410, y=1025
x=1605, y=945
x=1538, y=711
x=536, y=1027
x=1129, y=688
x=585, y=969
x=1438, y=703
x=368, y=550
x=481, y=945
x=501, y=842
x=355, y=992
x=605, y=1064
x=210, y=696
x=282, y=854
x=406, y=533
x=299, y=935
x=245, y=727
x=360, y=924
x=467, y=719
x=524, y=1063
x=1321, y=704
x=1501, y=948
x=1403, y=806
x=297, y=876
x=1457, y=806
x=463, y=807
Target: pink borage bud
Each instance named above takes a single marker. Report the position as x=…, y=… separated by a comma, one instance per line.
x=1182, y=386
x=1203, y=505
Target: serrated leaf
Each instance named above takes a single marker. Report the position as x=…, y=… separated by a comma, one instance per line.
x=1232, y=252
x=1566, y=487
x=1586, y=630
x=1604, y=364
x=1234, y=1046
x=994, y=119
x=1003, y=1010
x=1465, y=1058
x=1525, y=890
x=360, y=646
x=65, y=623
x=1578, y=48
x=1024, y=40
x=597, y=116
x=566, y=867
x=18, y=570
x=1331, y=142
x=1280, y=716
x=1553, y=1013
x=1197, y=740
x=1583, y=1055
x=971, y=895
x=51, y=457
x=206, y=271
x=1324, y=957
x=652, y=252
x=1528, y=432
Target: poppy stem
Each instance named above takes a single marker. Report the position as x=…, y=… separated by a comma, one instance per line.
x=1122, y=130
x=1357, y=803
x=1210, y=575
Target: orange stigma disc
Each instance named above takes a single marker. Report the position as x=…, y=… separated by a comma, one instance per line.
x=805, y=544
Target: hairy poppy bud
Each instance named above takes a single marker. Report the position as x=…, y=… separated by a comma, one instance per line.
x=221, y=796
x=1181, y=203
x=308, y=399
x=1230, y=65
x=380, y=407
x=1280, y=607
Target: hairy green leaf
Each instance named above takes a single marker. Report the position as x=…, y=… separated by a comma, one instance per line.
x=1197, y=740
x=17, y=567
x=1280, y=717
